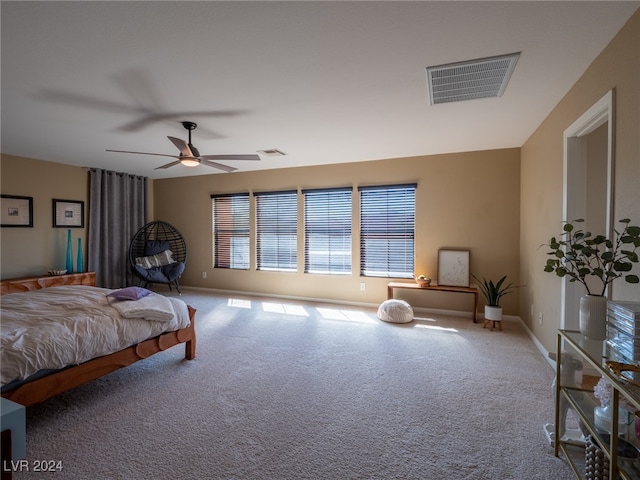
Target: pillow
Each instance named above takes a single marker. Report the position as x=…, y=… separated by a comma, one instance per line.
x=155, y=308
x=153, y=274
x=151, y=247
x=130, y=293
x=158, y=260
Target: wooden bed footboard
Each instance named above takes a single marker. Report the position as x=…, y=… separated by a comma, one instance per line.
x=41, y=389
x=46, y=387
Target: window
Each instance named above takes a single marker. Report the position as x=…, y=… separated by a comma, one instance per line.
x=276, y=223
x=327, y=231
x=387, y=227
x=231, y=231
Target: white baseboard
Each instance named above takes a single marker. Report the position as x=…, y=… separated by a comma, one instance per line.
x=539, y=346
x=285, y=297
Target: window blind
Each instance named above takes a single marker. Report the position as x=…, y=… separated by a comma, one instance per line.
x=327, y=231
x=276, y=230
x=387, y=229
x=231, y=231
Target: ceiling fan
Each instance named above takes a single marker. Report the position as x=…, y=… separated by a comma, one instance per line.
x=190, y=156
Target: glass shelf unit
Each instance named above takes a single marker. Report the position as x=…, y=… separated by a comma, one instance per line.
x=596, y=353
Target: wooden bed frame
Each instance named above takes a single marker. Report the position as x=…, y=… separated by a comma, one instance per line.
x=39, y=390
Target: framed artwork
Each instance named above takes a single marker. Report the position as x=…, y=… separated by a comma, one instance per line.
x=16, y=211
x=453, y=267
x=68, y=213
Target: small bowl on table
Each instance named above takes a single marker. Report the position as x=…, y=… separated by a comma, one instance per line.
x=55, y=273
x=423, y=282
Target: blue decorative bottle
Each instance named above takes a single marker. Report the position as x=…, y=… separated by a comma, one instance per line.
x=69, y=265
x=80, y=260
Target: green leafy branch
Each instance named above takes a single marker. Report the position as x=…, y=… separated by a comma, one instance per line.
x=579, y=254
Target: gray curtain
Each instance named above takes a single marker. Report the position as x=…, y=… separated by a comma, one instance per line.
x=117, y=210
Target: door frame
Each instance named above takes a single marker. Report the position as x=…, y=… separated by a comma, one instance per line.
x=574, y=187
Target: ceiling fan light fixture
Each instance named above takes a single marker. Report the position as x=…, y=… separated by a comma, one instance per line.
x=189, y=162
x=190, y=156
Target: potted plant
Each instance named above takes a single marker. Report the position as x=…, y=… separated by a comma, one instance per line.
x=582, y=256
x=493, y=292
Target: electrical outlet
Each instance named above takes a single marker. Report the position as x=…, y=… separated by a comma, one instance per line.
x=540, y=318
x=204, y=274
x=363, y=286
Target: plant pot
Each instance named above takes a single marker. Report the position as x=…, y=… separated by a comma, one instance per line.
x=492, y=313
x=593, y=316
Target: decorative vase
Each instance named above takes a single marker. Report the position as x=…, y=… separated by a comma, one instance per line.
x=69, y=263
x=602, y=418
x=492, y=312
x=593, y=316
x=80, y=259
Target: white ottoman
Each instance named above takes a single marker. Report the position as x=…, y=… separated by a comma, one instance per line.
x=395, y=311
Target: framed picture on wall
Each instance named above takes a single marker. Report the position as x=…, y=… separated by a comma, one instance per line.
x=16, y=211
x=453, y=267
x=68, y=213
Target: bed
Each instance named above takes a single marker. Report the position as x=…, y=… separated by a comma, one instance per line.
x=96, y=333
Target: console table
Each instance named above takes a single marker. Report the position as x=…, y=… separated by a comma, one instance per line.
x=582, y=400
x=24, y=284
x=439, y=288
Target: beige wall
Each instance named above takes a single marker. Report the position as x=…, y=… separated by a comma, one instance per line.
x=33, y=251
x=465, y=200
x=617, y=67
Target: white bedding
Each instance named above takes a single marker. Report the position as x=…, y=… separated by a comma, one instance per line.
x=155, y=308
x=60, y=326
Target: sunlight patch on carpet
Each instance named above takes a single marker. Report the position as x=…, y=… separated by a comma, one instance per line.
x=431, y=325
x=238, y=303
x=297, y=310
x=435, y=327
x=345, y=315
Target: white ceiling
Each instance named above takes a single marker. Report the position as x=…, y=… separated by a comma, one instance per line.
x=325, y=82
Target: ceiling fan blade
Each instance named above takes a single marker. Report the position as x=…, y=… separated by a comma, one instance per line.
x=144, y=153
x=217, y=165
x=148, y=116
x=230, y=157
x=137, y=124
x=68, y=98
x=185, y=151
x=167, y=165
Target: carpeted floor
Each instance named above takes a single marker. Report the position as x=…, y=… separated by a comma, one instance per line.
x=287, y=390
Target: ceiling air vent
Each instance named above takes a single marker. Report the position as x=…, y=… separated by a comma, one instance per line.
x=272, y=152
x=482, y=78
